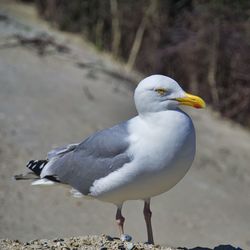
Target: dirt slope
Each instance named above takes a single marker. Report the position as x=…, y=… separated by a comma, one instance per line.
x=55, y=89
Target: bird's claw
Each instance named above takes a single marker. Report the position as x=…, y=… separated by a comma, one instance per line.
x=148, y=243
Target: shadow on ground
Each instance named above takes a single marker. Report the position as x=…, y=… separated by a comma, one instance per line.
x=220, y=247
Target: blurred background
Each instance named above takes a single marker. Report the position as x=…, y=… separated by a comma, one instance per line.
x=68, y=68
x=203, y=44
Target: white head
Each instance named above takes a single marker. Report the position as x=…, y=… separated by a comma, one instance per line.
x=159, y=93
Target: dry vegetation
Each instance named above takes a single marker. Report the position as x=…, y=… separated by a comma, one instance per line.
x=203, y=44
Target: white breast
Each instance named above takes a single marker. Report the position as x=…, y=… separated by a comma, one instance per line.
x=162, y=148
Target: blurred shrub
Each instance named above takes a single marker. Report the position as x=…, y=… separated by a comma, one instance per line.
x=203, y=44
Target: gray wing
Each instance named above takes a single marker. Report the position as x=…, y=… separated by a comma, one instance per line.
x=94, y=158
x=60, y=151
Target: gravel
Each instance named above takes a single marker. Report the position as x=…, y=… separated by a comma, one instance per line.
x=102, y=242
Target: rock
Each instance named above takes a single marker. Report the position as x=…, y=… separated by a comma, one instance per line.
x=129, y=245
x=126, y=237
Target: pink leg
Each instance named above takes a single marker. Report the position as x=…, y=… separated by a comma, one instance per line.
x=120, y=220
x=147, y=215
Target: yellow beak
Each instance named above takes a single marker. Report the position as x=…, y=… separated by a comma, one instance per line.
x=191, y=100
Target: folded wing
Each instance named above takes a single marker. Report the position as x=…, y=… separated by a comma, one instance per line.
x=79, y=165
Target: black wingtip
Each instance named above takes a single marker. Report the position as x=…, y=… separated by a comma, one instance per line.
x=36, y=166
x=25, y=176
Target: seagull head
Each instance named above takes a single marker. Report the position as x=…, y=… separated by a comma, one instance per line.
x=159, y=93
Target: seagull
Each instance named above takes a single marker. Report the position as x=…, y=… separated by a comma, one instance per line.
x=135, y=160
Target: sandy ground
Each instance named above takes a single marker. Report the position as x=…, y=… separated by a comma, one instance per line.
x=64, y=91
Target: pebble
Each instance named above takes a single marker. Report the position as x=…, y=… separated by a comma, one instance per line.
x=109, y=238
x=126, y=237
x=121, y=247
x=75, y=244
x=129, y=245
x=59, y=244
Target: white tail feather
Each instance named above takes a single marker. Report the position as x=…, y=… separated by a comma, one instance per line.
x=44, y=182
x=75, y=193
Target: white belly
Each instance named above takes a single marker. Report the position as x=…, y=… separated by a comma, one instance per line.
x=162, y=154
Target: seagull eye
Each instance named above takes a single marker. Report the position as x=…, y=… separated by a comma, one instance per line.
x=161, y=91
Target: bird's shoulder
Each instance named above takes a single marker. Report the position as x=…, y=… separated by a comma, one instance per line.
x=107, y=142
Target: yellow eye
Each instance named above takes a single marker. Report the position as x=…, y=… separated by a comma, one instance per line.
x=161, y=91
